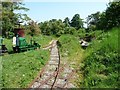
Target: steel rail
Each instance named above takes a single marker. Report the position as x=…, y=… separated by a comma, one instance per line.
x=41, y=71
x=55, y=75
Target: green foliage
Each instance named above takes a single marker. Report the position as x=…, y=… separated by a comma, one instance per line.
x=42, y=40
x=8, y=44
x=101, y=62
x=107, y=19
x=70, y=49
x=67, y=22
x=52, y=27
x=33, y=28
x=67, y=43
x=93, y=20
x=71, y=52
x=88, y=36
x=77, y=21
x=113, y=19
x=57, y=27
x=10, y=18
x=70, y=30
x=81, y=33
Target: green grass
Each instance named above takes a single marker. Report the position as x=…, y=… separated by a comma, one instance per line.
x=41, y=39
x=70, y=48
x=8, y=44
x=100, y=65
x=19, y=69
x=71, y=52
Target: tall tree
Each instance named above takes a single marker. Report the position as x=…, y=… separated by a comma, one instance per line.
x=77, y=21
x=67, y=21
x=52, y=27
x=113, y=14
x=34, y=28
x=93, y=20
x=106, y=20
x=9, y=17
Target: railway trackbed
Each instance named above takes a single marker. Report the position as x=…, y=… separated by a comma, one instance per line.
x=54, y=74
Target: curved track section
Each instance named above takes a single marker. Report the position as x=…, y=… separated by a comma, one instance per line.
x=54, y=75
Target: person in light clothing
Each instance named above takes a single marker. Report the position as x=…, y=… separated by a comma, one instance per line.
x=14, y=43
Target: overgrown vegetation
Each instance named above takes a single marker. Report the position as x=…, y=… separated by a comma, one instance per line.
x=101, y=63
x=70, y=49
x=71, y=52
x=98, y=64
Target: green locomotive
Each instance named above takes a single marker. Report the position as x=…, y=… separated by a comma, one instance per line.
x=20, y=44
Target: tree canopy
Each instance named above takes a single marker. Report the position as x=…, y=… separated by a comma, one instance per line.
x=106, y=20
x=57, y=27
x=10, y=18
x=77, y=21
x=96, y=21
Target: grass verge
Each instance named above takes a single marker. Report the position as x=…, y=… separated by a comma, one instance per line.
x=19, y=69
x=71, y=52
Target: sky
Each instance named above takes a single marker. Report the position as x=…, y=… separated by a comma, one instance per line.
x=50, y=9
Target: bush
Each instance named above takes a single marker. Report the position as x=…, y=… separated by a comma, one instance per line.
x=101, y=63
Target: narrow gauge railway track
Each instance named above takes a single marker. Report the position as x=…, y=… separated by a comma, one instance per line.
x=54, y=75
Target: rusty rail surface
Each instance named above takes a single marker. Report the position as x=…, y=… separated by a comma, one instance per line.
x=54, y=75
x=38, y=76
x=41, y=71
